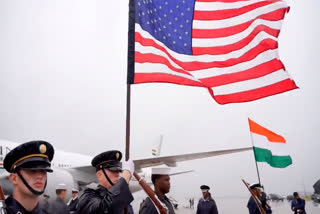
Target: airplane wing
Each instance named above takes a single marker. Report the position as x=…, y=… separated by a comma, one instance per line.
x=87, y=174
x=179, y=173
x=171, y=161
x=84, y=175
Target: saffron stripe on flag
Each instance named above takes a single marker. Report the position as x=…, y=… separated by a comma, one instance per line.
x=260, y=130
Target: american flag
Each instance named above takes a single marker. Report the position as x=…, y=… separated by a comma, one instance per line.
x=229, y=47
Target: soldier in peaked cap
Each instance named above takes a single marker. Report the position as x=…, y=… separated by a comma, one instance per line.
x=206, y=205
x=257, y=191
x=112, y=194
x=28, y=165
x=161, y=181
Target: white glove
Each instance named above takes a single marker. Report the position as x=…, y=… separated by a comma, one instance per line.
x=128, y=165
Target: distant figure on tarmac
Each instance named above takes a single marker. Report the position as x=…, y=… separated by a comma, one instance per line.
x=161, y=181
x=252, y=205
x=298, y=204
x=58, y=205
x=73, y=203
x=206, y=204
x=44, y=204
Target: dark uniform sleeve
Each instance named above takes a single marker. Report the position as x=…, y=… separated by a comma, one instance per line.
x=121, y=196
x=73, y=205
x=298, y=204
x=103, y=201
x=147, y=207
x=93, y=202
x=214, y=209
x=252, y=206
x=198, y=207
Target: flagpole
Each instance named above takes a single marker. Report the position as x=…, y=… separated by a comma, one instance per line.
x=130, y=68
x=257, y=168
x=128, y=121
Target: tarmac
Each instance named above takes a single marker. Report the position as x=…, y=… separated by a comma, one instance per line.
x=184, y=211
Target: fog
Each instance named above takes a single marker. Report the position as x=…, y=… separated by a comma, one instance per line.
x=63, y=79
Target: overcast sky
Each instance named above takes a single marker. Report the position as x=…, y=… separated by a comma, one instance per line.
x=63, y=79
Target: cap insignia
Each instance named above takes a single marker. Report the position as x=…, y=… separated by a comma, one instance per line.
x=117, y=155
x=43, y=148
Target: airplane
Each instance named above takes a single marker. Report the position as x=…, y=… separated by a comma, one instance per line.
x=75, y=171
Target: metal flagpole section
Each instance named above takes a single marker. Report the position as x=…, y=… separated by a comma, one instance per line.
x=255, y=159
x=130, y=70
x=128, y=122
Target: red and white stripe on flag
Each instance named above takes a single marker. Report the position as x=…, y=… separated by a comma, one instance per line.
x=234, y=51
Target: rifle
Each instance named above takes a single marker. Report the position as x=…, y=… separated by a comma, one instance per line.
x=2, y=204
x=255, y=198
x=161, y=209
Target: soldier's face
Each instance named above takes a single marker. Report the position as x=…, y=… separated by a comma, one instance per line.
x=163, y=183
x=257, y=191
x=205, y=194
x=35, y=178
x=113, y=175
x=74, y=194
x=63, y=194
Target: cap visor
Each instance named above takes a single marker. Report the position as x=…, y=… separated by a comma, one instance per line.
x=114, y=168
x=34, y=169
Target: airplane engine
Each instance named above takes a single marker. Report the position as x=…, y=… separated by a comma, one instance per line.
x=6, y=185
x=57, y=177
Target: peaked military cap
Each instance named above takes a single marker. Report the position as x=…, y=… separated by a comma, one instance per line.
x=109, y=160
x=33, y=155
x=255, y=185
x=204, y=188
x=74, y=190
x=61, y=186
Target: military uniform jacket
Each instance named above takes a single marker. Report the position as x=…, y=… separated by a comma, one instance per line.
x=44, y=206
x=58, y=206
x=100, y=200
x=253, y=207
x=14, y=207
x=73, y=205
x=147, y=206
x=207, y=206
x=298, y=204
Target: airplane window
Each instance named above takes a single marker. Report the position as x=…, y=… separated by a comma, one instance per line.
x=0, y=150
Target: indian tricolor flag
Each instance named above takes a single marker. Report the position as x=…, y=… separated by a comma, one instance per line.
x=269, y=147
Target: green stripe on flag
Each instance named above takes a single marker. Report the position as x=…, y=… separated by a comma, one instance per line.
x=265, y=155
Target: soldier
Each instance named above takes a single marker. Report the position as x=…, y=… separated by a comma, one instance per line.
x=28, y=165
x=161, y=181
x=298, y=204
x=112, y=194
x=206, y=205
x=58, y=205
x=252, y=205
x=73, y=203
x=44, y=204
